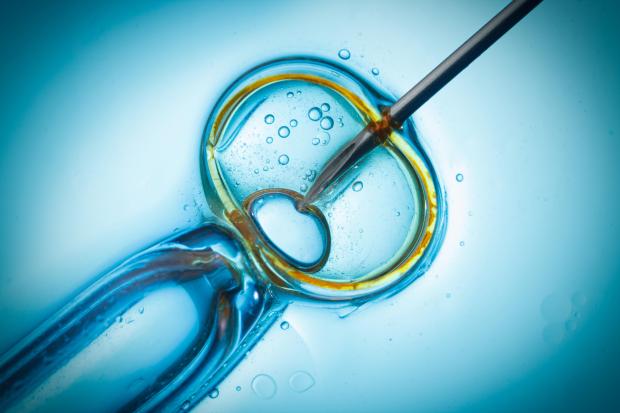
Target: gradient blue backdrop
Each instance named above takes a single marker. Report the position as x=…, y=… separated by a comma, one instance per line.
x=102, y=109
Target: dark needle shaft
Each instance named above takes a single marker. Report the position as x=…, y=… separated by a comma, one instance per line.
x=375, y=134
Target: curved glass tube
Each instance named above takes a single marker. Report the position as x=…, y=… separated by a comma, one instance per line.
x=157, y=333
x=162, y=329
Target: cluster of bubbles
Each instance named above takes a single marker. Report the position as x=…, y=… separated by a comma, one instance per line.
x=309, y=176
x=315, y=114
x=318, y=114
x=265, y=387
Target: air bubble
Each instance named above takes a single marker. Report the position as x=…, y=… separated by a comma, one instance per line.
x=358, y=186
x=375, y=71
x=344, y=54
x=238, y=388
x=283, y=159
x=327, y=123
x=293, y=123
x=264, y=386
x=284, y=131
x=315, y=113
x=269, y=139
x=269, y=119
x=325, y=107
x=311, y=174
x=214, y=393
x=290, y=94
x=316, y=141
x=256, y=171
x=459, y=177
x=462, y=243
x=301, y=381
x=284, y=325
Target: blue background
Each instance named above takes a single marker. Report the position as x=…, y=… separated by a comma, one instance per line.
x=103, y=105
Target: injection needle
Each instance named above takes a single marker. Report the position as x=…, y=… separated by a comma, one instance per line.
x=376, y=133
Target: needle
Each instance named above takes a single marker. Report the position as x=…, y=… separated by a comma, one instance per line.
x=376, y=133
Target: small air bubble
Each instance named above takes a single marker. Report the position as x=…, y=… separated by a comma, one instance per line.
x=344, y=54
x=462, y=243
x=327, y=123
x=141, y=310
x=269, y=139
x=238, y=388
x=375, y=71
x=316, y=141
x=325, y=107
x=264, y=386
x=284, y=131
x=284, y=325
x=293, y=123
x=358, y=186
x=459, y=177
x=256, y=171
x=315, y=113
x=290, y=94
x=283, y=159
x=269, y=119
x=301, y=381
x=214, y=394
